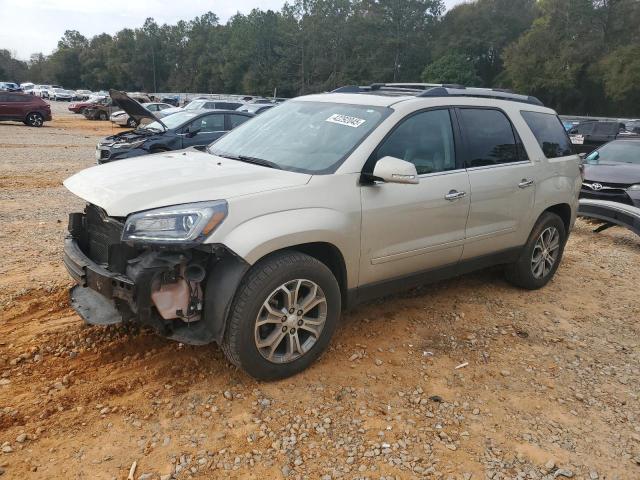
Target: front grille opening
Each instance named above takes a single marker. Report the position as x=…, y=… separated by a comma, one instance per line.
x=100, y=240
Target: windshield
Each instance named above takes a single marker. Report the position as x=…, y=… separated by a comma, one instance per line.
x=171, y=121
x=309, y=137
x=622, y=151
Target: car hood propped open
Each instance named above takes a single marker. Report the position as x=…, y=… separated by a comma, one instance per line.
x=133, y=108
x=164, y=179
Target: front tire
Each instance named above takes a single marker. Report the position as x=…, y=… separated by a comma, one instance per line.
x=34, y=119
x=283, y=316
x=131, y=123
x=541, y=256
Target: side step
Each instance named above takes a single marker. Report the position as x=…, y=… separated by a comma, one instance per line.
x=611, y=213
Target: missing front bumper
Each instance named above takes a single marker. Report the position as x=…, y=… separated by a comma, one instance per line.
x=93, y=307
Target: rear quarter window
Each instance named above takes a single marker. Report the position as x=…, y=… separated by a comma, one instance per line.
x=550, y=133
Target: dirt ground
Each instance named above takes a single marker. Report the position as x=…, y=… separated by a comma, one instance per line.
x=550, y=389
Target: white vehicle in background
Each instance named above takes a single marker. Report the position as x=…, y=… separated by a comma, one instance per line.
x=27, y=87
x=49, y=91
x=124, y=120
x=41, y=90
x=82, y=94
x=60, y=94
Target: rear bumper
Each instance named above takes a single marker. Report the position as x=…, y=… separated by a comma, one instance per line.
x=611, y=212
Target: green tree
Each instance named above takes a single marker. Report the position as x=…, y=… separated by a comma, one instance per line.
x=452, y=68
x=481, y=31
x=621, y=76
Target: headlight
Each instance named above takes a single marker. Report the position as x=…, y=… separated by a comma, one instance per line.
x=135, y=144
x=189, y=224
x=635, y=187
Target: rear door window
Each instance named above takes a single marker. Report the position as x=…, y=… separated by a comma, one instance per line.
x=489, y=137
x=227, y=105
x=235, y=120
x=605, y=128
x=208, y=123
x=583, y=128
x=550, y=133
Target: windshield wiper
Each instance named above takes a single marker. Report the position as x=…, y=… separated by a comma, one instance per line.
x=253, y=160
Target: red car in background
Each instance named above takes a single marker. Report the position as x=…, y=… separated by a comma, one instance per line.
x=91, y=102
x=20, y=107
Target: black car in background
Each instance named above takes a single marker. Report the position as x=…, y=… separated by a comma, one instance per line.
x=180, y=130
x=612, y=173
x=589, y=135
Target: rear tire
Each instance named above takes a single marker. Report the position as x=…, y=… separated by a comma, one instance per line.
x=131, y=123
x=103, y=116
x=283, y=316
x=34, y=119
x=541, y=255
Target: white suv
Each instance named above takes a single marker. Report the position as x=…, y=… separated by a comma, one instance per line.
x=318, y=204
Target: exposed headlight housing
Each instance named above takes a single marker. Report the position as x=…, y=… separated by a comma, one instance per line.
x=635, y=187
x=187, y=224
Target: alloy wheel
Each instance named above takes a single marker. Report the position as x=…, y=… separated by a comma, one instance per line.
x=290, y=321
x=35, y=120
x=545, y=252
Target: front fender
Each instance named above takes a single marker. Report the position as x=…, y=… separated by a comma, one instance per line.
x=262, y=235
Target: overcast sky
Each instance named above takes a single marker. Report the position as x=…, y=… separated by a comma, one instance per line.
x=29, y=26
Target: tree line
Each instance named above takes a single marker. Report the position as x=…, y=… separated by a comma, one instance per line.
x=578, y=56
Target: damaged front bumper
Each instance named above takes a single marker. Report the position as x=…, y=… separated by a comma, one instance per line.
x=183, y=293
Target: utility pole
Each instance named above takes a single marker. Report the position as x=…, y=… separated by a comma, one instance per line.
x=153, y=61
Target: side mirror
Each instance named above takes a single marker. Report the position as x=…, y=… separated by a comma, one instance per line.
x=394, y=170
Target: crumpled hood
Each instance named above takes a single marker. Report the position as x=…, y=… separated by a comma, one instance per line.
x=172, y=178
x=625, y=173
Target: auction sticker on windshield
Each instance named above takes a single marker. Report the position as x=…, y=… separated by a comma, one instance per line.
x=354, y=122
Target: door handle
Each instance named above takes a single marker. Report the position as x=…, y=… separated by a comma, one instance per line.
x=454, y=195
x=525, y=183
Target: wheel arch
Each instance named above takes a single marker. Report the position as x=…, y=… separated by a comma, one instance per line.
x=329, y=255
x=219, y=295
x=31, y=112
x=563, y=210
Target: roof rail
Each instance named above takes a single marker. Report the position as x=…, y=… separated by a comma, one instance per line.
x=439, y=90
x=495, y=93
